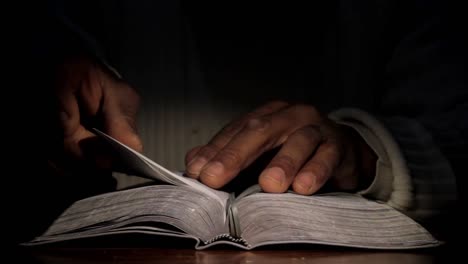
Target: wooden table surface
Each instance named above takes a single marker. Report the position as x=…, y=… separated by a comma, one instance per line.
x=306, y=254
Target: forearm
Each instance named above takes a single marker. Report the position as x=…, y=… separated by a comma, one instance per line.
x=412, y=174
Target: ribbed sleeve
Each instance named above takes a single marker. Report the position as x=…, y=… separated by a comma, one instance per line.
x=412, y=175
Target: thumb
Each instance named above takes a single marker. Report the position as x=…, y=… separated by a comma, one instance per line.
x=119, y=112
x=123, y=129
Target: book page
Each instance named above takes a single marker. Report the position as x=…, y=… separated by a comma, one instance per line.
x=334, y=219
x=145, y=167
x=160, y=208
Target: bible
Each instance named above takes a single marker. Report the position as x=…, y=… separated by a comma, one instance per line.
x=182, y=207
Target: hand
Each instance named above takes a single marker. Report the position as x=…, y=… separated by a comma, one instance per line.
x=313, y=150
x=87, y=96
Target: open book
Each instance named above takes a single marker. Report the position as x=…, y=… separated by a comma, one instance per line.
x=186, y=208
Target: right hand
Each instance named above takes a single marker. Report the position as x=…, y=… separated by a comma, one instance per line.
x=313, y=150
x=90, y=96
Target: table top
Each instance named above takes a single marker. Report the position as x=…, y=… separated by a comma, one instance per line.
x=292, y=254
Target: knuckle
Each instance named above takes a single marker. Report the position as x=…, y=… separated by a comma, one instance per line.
x=231, y=129
x=190, y=155
x=207, y=151
x=320, y=168
x=258, y=125
x=221, y=139
x=286, y=162
x=230, y=157
x=309, y=134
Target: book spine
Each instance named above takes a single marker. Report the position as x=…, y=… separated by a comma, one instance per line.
x=232, y=217
x=234, y=234
x=228, y=237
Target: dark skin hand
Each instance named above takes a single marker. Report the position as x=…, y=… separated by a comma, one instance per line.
x=86, y=94
x=313, y=150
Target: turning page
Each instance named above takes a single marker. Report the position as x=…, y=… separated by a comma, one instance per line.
x=145, y=167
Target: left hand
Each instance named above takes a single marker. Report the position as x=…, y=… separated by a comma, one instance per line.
x=314, y=150
x=88, y=95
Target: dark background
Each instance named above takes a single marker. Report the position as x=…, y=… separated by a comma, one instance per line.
x=243, y=45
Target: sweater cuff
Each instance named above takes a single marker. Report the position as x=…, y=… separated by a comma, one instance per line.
x=412, y=175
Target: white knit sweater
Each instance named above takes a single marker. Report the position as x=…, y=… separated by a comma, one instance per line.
x=412, y=175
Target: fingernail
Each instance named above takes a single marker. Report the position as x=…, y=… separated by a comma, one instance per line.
x=304, y=182
x=195, y=165
x=214, y=169
x=274, y=174
x=302, y=187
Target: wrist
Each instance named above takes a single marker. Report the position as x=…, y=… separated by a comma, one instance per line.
x=365, y=160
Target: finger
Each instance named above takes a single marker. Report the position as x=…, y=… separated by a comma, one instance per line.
x=319, y=169
x=78, y=141
x=279, y=174
x=73, y=144
x=228, y=161
x=69, y=113
x=191, y=154
x=69, y=82
x=268, y=108
x=73, y=132
x=91, y=92
x=229, y=131
x=221, y=139
x=119, y=112
x=258, y=136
